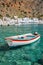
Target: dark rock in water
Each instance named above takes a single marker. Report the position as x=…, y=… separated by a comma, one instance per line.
x=1, y=61
x=8, y=25
x=40, y=61
x=1, y=25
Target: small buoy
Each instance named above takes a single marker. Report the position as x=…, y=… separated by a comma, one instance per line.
x=35, y=33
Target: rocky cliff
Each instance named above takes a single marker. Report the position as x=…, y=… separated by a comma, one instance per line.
x=21, y=8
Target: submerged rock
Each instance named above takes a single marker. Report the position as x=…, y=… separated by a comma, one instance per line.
x=40, y=61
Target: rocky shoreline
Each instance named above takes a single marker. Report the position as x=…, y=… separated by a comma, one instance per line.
x=19, y=21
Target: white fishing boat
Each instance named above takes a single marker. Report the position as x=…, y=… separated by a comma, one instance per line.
x=22, y=39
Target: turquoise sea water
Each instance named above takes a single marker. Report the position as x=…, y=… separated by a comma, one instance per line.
x=31, y=54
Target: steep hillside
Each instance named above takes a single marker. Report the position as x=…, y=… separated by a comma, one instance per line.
x=21, y=8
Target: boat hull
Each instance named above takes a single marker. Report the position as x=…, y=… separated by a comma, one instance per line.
x=20, y=42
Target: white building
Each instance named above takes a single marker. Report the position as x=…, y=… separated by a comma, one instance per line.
x=1, y=22
x=40, y=21
x=12, y=22
x=35, y=20
x=6, y=20
x=19, y=21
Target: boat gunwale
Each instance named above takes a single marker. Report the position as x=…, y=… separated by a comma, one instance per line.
x=21, y=40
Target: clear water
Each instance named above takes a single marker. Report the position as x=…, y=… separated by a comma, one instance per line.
x=31, y=54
